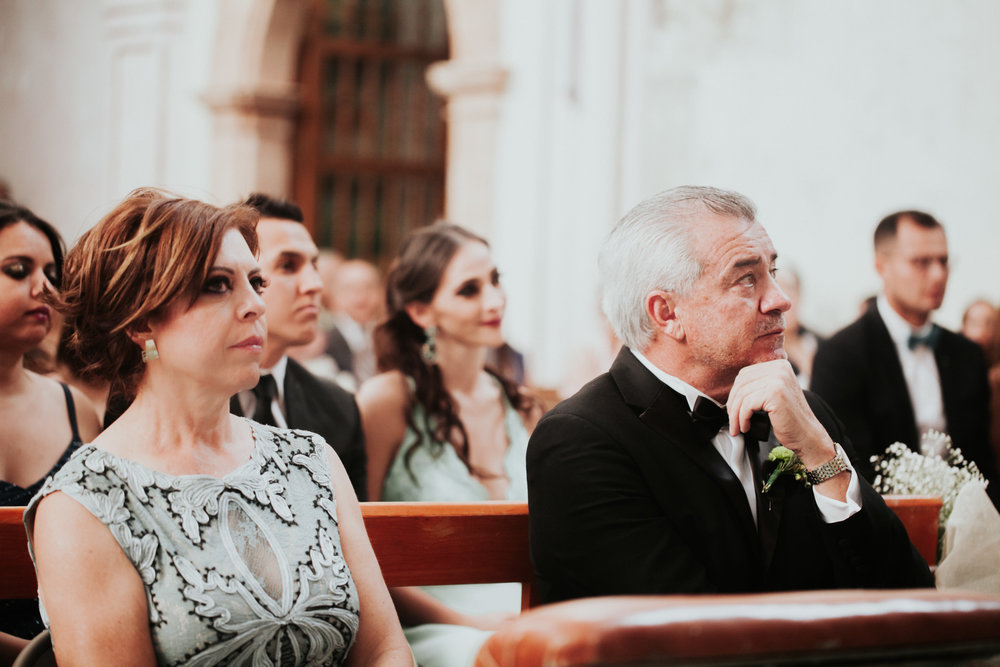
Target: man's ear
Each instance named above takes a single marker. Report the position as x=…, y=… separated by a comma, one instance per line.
x=880, y=257
x=661, y=309
x=420, y=313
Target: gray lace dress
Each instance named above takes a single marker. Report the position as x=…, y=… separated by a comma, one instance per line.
x=246, y=569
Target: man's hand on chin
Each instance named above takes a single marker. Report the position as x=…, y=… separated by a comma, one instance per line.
x=771, y=386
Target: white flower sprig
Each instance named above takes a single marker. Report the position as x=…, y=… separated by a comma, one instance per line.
x=941, y=470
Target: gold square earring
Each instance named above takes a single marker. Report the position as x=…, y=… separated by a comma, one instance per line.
x=150, y=353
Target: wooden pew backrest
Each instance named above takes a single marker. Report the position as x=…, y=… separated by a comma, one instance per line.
x=919, y=515
x=420, y=544
x=17, y=572
x=417, y=544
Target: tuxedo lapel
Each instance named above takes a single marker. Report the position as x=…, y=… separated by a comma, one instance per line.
x=951, y=377
x=665, y=412
x=769, y=505
x=296, y=413
x=302, y=411
x=890, y=393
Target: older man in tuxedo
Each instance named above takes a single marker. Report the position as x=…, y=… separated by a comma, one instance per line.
x=288, y=395
x=649, y=479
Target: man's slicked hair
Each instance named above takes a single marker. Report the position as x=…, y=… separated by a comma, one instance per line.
x=272, y=207
x=651, y=248
x=886, y=230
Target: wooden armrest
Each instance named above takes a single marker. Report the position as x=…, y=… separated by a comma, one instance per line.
x=813, y=626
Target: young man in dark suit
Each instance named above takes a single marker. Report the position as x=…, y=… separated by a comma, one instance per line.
x=893, y=374
x=288, y=394
x=649, y=479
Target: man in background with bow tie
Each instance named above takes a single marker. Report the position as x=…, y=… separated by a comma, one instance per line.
x=288, y=395
x=649, y=479
x=893, y=374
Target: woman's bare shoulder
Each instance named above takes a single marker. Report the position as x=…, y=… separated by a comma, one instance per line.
x=385, y=391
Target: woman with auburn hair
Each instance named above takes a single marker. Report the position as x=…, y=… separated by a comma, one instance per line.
x=440, y=426
x=44, y=421
x=208, y=538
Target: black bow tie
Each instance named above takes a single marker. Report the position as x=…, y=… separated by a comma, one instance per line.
x=709, y=419
x=929, y=339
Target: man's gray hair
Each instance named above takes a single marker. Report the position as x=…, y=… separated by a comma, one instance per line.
x=651, y=249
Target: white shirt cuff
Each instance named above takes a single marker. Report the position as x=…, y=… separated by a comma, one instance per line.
x=835, y=511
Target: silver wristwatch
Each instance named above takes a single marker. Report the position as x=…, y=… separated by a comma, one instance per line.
x=831, y=468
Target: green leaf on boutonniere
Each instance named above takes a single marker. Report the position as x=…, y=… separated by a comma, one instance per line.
x=787, y=463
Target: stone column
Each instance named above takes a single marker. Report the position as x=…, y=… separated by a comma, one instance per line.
x=472, y=83
x=141, y=39
x=254, y=96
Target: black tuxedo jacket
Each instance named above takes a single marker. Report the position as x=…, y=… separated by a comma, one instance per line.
x=318, y=405
x=858, y=373
x=625, y=499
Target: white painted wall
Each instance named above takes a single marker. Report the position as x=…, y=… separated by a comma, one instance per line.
x=558, y=156
x=828, y=114
x=100, y=98
x=831, y=115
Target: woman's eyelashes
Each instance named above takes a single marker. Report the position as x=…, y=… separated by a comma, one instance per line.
x=222, y=284
x=219, y=284
x=258, y=282
x=18, y=270
x=471, y=288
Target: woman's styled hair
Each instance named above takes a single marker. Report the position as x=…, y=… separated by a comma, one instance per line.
x=150, y=251
x=414, y=278
x=11, y=213
x=651, y=248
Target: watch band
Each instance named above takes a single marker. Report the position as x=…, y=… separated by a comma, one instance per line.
x=831, y=468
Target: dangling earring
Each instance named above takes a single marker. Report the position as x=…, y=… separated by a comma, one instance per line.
x=429, y=349
x=150, y=353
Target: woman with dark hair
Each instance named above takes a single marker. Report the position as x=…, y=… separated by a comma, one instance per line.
x=44, y=421
x=208, y=538
x=439, y=425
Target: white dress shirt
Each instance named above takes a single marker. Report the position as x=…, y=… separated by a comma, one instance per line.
x=733, y=451
x=919, y=369
x=248, y=400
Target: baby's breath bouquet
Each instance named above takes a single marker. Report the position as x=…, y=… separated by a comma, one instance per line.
x=939, y=470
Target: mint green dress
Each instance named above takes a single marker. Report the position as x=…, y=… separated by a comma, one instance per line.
x=244, y=569
x=440, y=476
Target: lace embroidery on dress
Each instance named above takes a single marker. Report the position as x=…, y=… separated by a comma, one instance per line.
x=242, y=569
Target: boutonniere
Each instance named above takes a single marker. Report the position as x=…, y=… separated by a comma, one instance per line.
x=786, y=462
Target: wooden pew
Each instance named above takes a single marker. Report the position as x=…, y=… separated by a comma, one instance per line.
x=439, y=543
x=416, y=544
x=923, y=627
